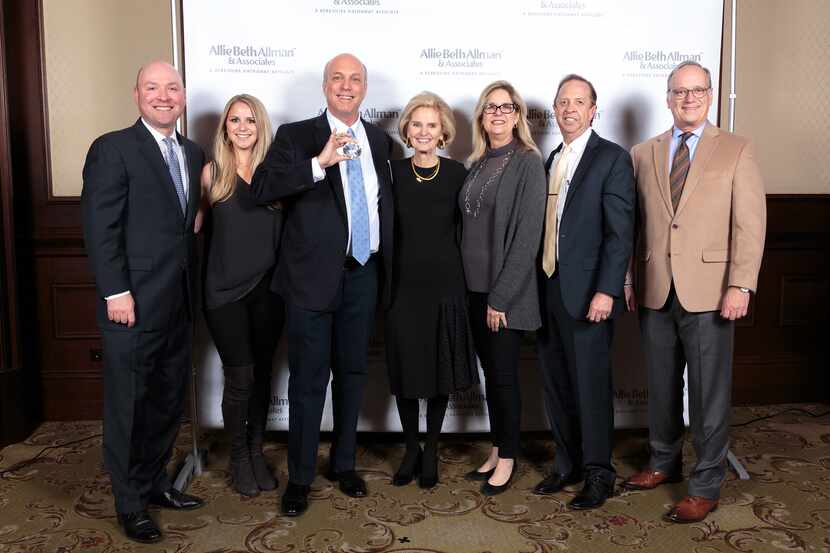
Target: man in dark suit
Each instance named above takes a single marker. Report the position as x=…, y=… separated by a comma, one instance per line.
x=589, y=222
x=338, y=220
x=140, y=195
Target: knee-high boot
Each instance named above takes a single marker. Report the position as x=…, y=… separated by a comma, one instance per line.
x=257, y=420
x=235, y=405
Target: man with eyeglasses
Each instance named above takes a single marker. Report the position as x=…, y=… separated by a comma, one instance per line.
x=589, y=225
x=700, y=239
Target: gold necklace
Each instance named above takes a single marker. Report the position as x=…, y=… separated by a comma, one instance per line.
x=418, y=177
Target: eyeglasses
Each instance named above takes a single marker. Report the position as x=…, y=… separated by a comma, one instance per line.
x=491, y=109
x=681, y=93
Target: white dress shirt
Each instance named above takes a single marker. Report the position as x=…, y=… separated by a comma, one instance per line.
x=182, y=170
x=370, y=179
x=574, y=157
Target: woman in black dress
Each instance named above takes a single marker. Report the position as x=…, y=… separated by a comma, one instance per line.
x=429, y=346
x=244, y=317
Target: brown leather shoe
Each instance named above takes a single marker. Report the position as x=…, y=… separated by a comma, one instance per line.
x=650, y=479
x=692, y=508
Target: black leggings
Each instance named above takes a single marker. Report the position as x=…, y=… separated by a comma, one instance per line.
x=246, y=333
x=499, y=356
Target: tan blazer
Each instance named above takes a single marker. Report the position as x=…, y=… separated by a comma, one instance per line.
x=716, y=239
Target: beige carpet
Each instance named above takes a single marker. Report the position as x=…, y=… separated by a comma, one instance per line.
x=61, y=503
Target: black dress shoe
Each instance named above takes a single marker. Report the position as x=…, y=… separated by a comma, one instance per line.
x=138, y=526
x=294, y=500
x=593, y=493
x=490, y=490
x=554, y=483
x=405, y=473
x=350, y=483
x=174, y=499
x=476, y=476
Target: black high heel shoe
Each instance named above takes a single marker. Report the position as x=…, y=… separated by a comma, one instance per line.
x=404, y=477
x=476, y=476
x=490, y=490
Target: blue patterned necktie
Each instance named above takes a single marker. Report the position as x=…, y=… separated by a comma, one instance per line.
x=175, y=172
x=358, y=209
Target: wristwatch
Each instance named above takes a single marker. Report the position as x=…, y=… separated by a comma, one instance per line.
x=744, y=290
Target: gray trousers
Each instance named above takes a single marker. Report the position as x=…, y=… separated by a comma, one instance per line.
x=673, y=338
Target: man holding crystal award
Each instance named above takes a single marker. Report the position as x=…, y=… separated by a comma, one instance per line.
x=331, y=175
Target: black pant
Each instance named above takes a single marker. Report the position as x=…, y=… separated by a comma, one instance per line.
x=575, y=360
x=246, y=333
x=499, y=356
x=323, y=343
x=145, y=380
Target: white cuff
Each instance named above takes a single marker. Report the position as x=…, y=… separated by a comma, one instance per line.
x=118, y=295
x=316, y=171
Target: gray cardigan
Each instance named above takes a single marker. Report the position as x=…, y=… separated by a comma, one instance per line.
x=517, y=231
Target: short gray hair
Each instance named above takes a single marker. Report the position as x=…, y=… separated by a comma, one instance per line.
x=689, y=63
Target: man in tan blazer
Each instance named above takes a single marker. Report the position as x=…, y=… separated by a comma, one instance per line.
x=700, y=239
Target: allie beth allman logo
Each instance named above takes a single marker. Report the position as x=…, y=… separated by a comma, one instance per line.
x=659, y=59
x=460, y=57
x=242, y=58
x=375, y=116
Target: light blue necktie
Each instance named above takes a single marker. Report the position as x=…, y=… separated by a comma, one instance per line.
x=175, y=173
x=358, y=209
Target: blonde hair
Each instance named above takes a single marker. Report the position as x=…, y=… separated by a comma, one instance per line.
x=521, y=131
x=224, y=161
x=428, y=99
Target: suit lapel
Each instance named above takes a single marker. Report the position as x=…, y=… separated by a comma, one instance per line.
x=321, y=136
x=660, y=153
x=152, y=154
x=549, y=162
x=581, y=169
x=381, y=167
x=705, y=148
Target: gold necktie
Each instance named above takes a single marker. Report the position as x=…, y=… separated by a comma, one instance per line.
x=554, y=184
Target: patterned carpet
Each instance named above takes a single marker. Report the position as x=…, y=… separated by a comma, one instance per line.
x=61, y=502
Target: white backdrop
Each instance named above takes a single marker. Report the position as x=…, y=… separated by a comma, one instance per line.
x=277, y=50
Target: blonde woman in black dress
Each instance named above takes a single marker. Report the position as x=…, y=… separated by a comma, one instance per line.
x=244, y=316
x=429, y=346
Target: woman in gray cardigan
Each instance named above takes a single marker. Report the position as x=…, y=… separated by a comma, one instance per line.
x=502, y=206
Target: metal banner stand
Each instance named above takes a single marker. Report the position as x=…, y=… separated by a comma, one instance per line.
x=736, y=465
x=197, y=458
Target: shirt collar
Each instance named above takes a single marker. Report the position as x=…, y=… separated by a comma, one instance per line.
x=340, y=126
x=675, y=132
x=578, y=145
x=157, y=135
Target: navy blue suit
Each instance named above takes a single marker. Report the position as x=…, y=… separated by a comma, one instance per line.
x=595, y=242
x=330, y=302
x=138, y=239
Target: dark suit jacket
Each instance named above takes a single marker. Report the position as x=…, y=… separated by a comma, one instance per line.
x=596, y=230
x=136, y=236
x=315, y=231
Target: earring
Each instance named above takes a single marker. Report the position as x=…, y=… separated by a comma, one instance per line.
x=442, y=143
x=407, y=143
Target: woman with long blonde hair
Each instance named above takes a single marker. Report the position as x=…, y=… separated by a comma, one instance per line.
x=502, y=206
x=244, y=316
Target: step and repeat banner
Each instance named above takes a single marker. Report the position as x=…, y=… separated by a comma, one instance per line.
x=277, y=50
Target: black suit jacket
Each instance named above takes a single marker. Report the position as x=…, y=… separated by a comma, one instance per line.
x=597, y=226
x=136, y=235
x=315, y=231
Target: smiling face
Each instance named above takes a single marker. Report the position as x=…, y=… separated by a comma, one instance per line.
x=574, y=109
x=498, y=125
x=240, y=126
x=160, y=96
x=689, y=112
x=424, y=130
x=344, y=87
